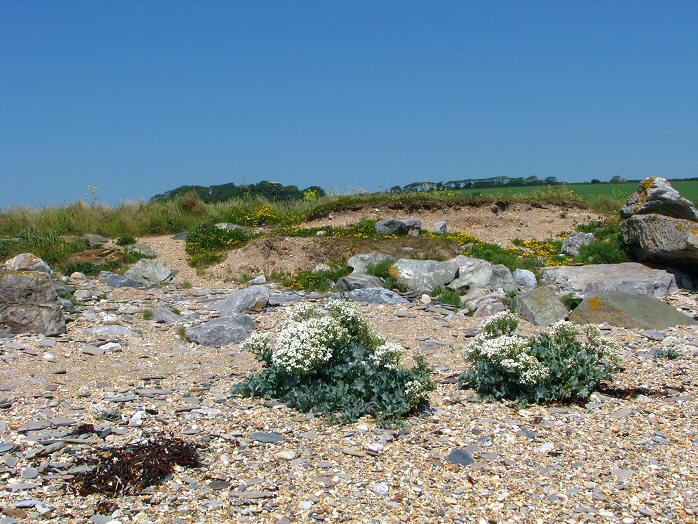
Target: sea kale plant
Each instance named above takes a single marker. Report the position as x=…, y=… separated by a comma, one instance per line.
x=566, y=364
x=331, y=360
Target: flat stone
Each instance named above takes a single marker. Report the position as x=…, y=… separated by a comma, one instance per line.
x=267, y=438
x=460, y=457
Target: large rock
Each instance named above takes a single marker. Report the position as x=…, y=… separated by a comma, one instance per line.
x=359, y=263
x=474, y=273
x=662, y=239
x=231, y=328
x=423, y=276
x=540, y=306
x=393, y=226
x=143, y=250
x=375, y=295
x=484, y=302
x=627, y=277
x=525, y=279
x=628, y=311
x=573, y=243
x=95, y=240
x=162, y=315
x=27, y=262
x=29, y=304
x=149, y=272
x=253, y=298
x=357, y=281
x=117, y=281
x=656, y=195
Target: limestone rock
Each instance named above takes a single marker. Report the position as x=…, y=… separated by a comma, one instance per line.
x=359, y=263
x=474, y=273
x=662, y=239
x=27, y=262
x=357, y=281
x=253, y=298
x=657, y=196
x=540, y=306
x=375, y=295
x=117, y=281
x=628, y=311
x=525, y=279
x=484, y=302
x=441, y=227
x=423, y=276
x=231, y=328
x=393, y=226
x=627, y=277
x=95, y=240
x=29, y=304
x=573, y=243
x=149, y=272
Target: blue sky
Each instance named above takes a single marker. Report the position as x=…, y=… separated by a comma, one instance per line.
x=140, y=97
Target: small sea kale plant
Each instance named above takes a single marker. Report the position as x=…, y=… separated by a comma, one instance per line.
x=564, y=365
x=330, y=360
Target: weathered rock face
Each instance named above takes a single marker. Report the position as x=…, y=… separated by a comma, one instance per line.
x=27, y=262
x=423, y=276
x=628, y=311
x=117, y=281
x=359, y=263
x=662, y=239
x=574, y=243
x=253, y=298
x=484, y=302
x=357, y=281
x=29, y=304
x=540, y=306
x=474, y=273
x=656, y=195
x=149, y=272
x=441, y=227
x=628, y=277
x=143, y=249
x=393, y=226
x=95, y=240
x=375, y=295
x=162, y=315
x=231, y=328
x=525, y=279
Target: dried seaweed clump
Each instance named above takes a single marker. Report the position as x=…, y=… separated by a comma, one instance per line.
x=129, y=469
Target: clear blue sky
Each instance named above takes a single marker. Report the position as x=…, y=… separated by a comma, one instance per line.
x=137, y=97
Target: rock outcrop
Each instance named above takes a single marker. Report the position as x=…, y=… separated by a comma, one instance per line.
x=662, y=239
x=357, y=281
x=29, y=304
x=253, y=298
x=573, y=243
x=540, y=306
x=149, y=272
x=27, y=262
x=657, y=196
x=230, y=328
x=423, y=276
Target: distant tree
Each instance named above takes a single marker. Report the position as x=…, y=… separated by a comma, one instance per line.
x=595, y=181
x=550, y=180
x=395, y=189
x=617, y=180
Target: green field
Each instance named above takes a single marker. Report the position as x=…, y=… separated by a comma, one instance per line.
x=592, y=192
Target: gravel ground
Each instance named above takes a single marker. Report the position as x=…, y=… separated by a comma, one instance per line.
x=611, y=460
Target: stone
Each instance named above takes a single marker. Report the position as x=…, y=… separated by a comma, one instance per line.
x=474, y=273
x=77, y=276
x=253, y=298
x=441, y=227
x=662, y=239
x=117, y=281
x=539, y=306
x=319, y=268
x=656, y=195
x=573, y=243
x=259, y=279
x=359, y=263
x=628, y=311
x=143, y=250
x=180, y=236
x=149, y=272
x=95, y=240
x=484, y=302
x=460, y=457
x=375, y=296
x=266, y=437
x=423, y=276
x=231, y=328
x=525, y=279
x=357, y=281
x=393, y=226
x=627, y=277
x=27, y=262
x=29, y=304
x=162, y=315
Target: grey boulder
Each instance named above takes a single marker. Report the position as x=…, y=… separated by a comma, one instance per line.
x=656, y=195
x=573, y=243
x=474, y=273
x=627, y=277
x=375, y=295
x=231, y=328
x=525, y=279
x=484, y=302
x=162, y=315
x=393, y=226
x=143, y=250
x=628, y=311
x=422, y=276
x=29, y=304
x=357, y=281
x=360, y=263
x=539, y=306
x=95, y=240
x=27, y=262
x=441, y=227
x=253, y=298
x=149, y=272
x=662, y=239
x=115, y=280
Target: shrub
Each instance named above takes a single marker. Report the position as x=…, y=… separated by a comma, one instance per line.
x=207, y=243
x=331, y=361
x=147, y=314
x=565, y=365
x=382, y=270
x=512, y=258
x=308, y=280
x=125, y=240
x=608, y=247
x=446, y=295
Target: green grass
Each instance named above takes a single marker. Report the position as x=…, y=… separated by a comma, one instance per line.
x=447, y=296
x=607, y=248
x=307, y=280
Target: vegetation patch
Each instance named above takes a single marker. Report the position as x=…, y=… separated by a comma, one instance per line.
x=330, y=360
x=446, y=295
x=309, y=280
x=125, y=240
x=130, y=469
x=607, y=248
x=207, y=243
x=565, y=365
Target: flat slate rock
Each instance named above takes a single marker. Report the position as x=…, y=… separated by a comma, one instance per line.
x=460, y=457
x=375, y=295
x=628, y=311
x=267, y=438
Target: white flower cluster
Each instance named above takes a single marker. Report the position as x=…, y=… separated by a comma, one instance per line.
x=303, y=346
x=416, y=391
x=388, y=355
x=256, y=343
